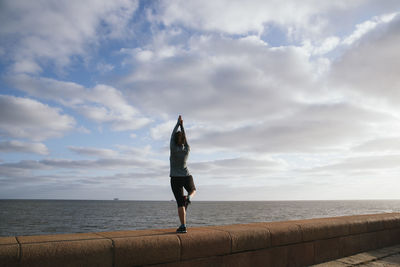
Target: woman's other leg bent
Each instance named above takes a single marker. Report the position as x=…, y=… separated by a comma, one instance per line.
x=189, y=186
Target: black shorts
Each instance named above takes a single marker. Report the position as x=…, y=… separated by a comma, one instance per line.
x=177, y=185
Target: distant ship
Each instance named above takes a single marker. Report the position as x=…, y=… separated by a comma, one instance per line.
x=116, y=198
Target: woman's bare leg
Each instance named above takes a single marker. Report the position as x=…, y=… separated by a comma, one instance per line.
x=182, y=214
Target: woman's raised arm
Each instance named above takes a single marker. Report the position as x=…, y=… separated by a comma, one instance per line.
x=172, y=142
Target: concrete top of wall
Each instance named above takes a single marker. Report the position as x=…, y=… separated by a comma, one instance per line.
x=143, y=247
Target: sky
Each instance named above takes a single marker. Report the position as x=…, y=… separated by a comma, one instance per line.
x=281, y=100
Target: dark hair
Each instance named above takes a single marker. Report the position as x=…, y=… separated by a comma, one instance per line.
x=177, y=136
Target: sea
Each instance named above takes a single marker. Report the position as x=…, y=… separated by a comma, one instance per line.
x=39, y=217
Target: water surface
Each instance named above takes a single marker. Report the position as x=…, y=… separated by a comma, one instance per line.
x=35, y=217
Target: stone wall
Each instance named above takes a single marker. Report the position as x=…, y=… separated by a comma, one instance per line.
x=289, y=243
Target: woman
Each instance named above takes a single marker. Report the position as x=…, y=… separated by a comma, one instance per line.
x=179, y=173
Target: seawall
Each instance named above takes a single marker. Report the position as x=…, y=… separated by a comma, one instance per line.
x=288, y=243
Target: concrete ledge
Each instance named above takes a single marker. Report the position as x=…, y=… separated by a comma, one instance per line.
x=289, y=243
x=133, y=251
x=67, y=253
x=284, y=233
x=204, y=242
x=318, y=229
x=247, y=237
x=9, y=254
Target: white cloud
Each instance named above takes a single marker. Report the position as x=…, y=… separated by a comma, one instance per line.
x=51, y=169
x=237, y=168
x=103, y=67
x=367, y=71
x=315, y=129
x=328, y=44
x=223, y=79
x=103, y=163
x=367, y=26
x=144, y=55
x=142, y=152
x=46, y=31
x=363, y=164
x=26, y=65
x=92, y=151
x=242, y=95
x=162, y=131
x=381, y=145
x=66, y=93
x=10, y=172
x=27, y=118
x=236, y=17
x=324, y=47
x=18, y=146
x=102, y=103
x=121, y=114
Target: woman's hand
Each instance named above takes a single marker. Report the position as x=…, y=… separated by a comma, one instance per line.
x=180, y=120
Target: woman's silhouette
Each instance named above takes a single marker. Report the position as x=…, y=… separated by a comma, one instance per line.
x=179, y=173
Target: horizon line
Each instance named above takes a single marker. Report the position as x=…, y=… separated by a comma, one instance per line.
x=270, y=200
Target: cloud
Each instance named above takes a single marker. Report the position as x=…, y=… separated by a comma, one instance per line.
x=318, y=128
x=75, y=168
x=104, y=163
x=121, y=114
x=380, y=145
x=91, y=151
x=66, y=93
x=234, y=17
x=102, y=103
x=23, y=169
x=312, y=128
x=141, y=152
x=241, y=95
x=45, y=32
x=368, y=69
x=162, y=131
x=27, y=118
x=18, y=146
x=236, y=169
x=367, y=26
x=222, y=79
x=325, y=46
x=103, y=67
x=362, y=164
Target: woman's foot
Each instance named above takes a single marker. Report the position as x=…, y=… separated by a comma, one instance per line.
x=181, y=229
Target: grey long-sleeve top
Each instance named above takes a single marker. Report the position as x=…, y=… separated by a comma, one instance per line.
x=179, y=155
